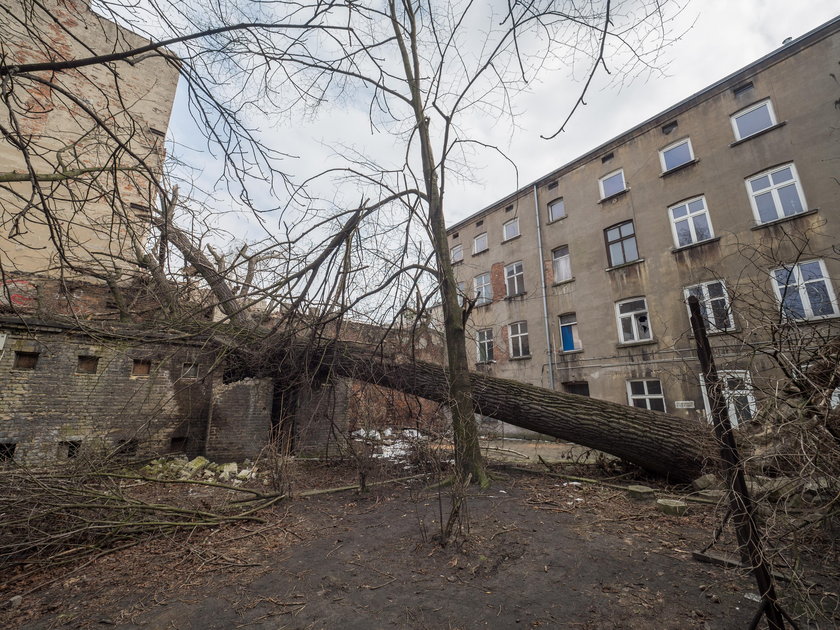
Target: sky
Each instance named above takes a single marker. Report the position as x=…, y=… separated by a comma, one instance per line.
x=716, y=38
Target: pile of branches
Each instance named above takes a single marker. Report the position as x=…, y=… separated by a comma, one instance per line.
x=52, y=518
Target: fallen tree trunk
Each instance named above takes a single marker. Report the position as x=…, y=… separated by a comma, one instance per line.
x=673, y=447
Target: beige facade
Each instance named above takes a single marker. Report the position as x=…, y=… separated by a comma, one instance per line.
x=710, y=197
x=102, y=124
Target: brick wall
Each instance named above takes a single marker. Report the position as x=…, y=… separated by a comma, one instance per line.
x=240, y=425
x=54, y=411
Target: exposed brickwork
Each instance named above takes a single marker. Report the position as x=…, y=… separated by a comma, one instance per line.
x=41, y=410
x=240, y=425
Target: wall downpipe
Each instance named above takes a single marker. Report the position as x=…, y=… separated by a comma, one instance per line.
x=548, y=343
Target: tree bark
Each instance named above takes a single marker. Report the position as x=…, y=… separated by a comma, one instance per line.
x=676, y=448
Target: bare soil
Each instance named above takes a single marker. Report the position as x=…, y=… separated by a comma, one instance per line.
x=533, y=551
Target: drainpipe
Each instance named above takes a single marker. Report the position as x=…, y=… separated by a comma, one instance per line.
x=544, y=293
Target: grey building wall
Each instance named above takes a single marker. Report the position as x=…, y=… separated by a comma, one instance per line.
x=797, y=80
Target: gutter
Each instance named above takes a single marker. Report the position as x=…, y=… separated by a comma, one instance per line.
x=548, y=344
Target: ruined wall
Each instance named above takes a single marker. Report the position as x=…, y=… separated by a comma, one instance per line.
x=320, y=420
x=240, y=424
x=66, y=395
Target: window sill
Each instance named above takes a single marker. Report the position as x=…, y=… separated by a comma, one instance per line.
x=512, y=238
x=627, y=264
x=522, y=358
x=557, y=220
x=681, y=167
x=483, y=251
x=457, y=262
x=565, y=353
x=519, y=296
x=483, y=304
x=708, y=241
x=758, y=133
x=792, y=217
x=813, y=319
x=490, y=362
x=633, y=344
x=562, y=282
x=614, y=196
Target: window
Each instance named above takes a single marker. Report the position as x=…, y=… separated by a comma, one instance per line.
x=87, y=365
x=676, y=155
x=714, y=305
x=480, y=243
x=483, y=291
x=556, y=209
x=25, y=360
x=569, y=340
x=189, y=370
x=690, y=222
x=510, y=229
x=7, y=452
x=581, y=388
x=71, y=448
x=804, y=291
x=484, y=342
x=456, y=254
x=518, y=336
x=562, y=264
x=127, y=448
x=737, y=391
x=460, y=292
x=612, y=184
x=515, y=279
x=753, y=119
x=141, y=367
x=776, y=194
x=633, y=321
x=646, y=395
x=621, y=244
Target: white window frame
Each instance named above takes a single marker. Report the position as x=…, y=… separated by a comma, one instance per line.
x=795, y=273
x=456, y=253
x=706, y=305
x=513, y=225
x=734, y=118
x=635, y=323
x=484, y=338
x=601, y=181
x=647, y=396
x=515, y=274
x=729, y=395
x=480, y=238
x=572, y=324
x=559, y=202
x=519, y=346
x=674, y=145
x=773, y=190
x=483, y=290
x=557, y=266
x=689, y=218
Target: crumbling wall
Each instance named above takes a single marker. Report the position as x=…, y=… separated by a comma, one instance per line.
x=320, y=421
x=240, y=423
x=66, y=395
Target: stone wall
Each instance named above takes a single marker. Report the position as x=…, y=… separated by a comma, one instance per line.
x=64, y=394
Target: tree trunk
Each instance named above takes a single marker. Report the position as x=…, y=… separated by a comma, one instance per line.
x=673, y=447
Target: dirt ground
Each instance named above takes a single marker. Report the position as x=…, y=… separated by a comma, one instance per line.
x=534, y=551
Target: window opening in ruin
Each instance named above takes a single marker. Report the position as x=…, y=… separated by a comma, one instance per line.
x=189, y=370
x=581, y=388
x=72, y=448
x=7, y=452
x=87, y=364
x=25, y=360
x=141, y=367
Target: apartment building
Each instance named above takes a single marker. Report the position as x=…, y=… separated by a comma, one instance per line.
x=580, y=279
x=87, y=141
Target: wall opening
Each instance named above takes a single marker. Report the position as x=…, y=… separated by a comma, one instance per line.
x=71, y=448
x=25, y=360
x=7, y=452
x=581, y=388
x=87, y=364
x=141, y=367
x=127, y=448
x=178, y=444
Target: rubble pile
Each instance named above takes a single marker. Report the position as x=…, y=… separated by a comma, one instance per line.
x=180, y=467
